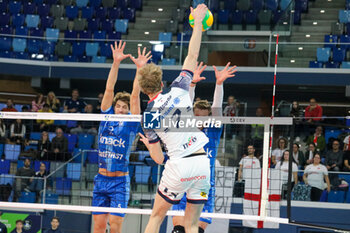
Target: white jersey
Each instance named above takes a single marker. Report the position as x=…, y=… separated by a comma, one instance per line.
x=249, y=166
x=315, y=175
x=284, y=170
x=173, y=107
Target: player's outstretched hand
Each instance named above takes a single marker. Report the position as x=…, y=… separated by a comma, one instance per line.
x=144, y=140
x=224, y=74
x=142, y=58
x=197, y=73
x=118, y=51
x=199, y=13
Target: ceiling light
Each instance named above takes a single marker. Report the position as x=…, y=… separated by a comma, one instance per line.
x=314, y=23
x=160, y=9
x=300, y=48
x=285, y=23
x=292, y=61
x=307, y=35
x=153, y=21
x=146, y=33
x=322, y=11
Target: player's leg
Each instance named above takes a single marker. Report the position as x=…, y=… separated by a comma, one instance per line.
x=208, y=207
x=178, y=221
x=161, y=206
x=192, y=214
x=100, y=223
x=116, y=223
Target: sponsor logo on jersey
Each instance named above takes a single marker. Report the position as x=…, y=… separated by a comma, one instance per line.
x=189, y=142
x=110, y=155
x=110, y=141
x=204, y=194
x=193, y=178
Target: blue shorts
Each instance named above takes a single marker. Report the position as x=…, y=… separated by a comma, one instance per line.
x=111, y=192
x=208, y=206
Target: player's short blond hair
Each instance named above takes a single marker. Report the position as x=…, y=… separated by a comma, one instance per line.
x=122, y=96
x=202, y=105
x=150, y=79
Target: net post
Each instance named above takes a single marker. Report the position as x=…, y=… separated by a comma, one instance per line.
x=264, y=192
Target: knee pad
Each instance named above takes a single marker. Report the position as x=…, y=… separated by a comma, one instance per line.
x=200, y=230
x=178, y=229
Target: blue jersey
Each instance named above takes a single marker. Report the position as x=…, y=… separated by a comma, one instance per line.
x=211, y=147
x=115, y=139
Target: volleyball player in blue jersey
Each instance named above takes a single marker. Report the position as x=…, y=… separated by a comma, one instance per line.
x=112, y=183
x=203, y=108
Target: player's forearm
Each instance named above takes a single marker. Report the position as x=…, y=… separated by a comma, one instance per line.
x=156, y=153
x=194, y=46
x=112, y=76
x=217, y=100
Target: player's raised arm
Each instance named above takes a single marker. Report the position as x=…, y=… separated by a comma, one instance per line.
x=140, y=61
x=196, y=79
x=221, y=76
x=118, y=56
x=196, y=38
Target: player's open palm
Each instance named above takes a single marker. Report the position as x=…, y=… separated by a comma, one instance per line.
x=118, y=51
x=144, y=140
x=197, y=73
x=224, y=74
x=142, y=58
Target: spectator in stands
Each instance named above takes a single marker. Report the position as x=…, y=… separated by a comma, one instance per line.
x=27, y=122
x=277, y=153
x=309, y=154
x=314, y=175
x=318, y=139
x=298, y=113
x=55, y=223
x=59, y=146
x=313, y=112
x=45, y=125
x=74, y=104
x=3, y=228
x=10, y=107
x=22, y=183
x=37, y=185
x=346, y=161
x=44, y=146
x=53, y=102
x=334, y=161
x=257, y=133
x=2, y=132
x=247, y=163
x=89, y=127
x=283, y=165
x=17, y=132
x=38, y=102
x=298, y=156
x=97, y=107
x=19, y=227
x=232, y=107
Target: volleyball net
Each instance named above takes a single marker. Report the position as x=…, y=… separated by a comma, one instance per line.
x=53, y=163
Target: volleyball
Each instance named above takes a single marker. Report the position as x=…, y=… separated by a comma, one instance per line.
x=207, y=21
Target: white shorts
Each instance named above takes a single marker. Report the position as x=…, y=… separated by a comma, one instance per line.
x=186, y=175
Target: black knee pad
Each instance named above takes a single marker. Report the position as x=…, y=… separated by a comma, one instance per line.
x=178, y=229
x=200, y=230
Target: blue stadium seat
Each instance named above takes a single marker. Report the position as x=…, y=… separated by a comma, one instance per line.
x=122, y=3
x=43, y=9
x=57, y=169
x=347, y=5
x=99, y=35
x=94, y=24
x=95, y=3
x=48, y=47
x=70, y=58
x=142, y=174
x=46, y=22
x=35, y=136
x=230, y=5
x=78, y=48
x=85, y=141
x=72, y=12
x=63, y=186
x=87, y=12
x=315, y=64
x=50, y=198
x=250, y=17
x=271, y=5
x=18, y=107
x=7, y=179
x=29, y=8
x=21, y=55
x=129, y=14
x=70, y=34
x=332, y=64
x=6, y=54
x=74, y=171
x=19, y=44
x=18, y=20
x=345, y=65
x=336, y=196
x=121, y=25
x=166, y=38
x=169, y=61
x=52, y=34
x=27, y=197
x=98, y=59
x=72, y=141
x=237, y=17
x=214, y=5
x=6, y=29
x=51, y=2
x=15, y=7
x=323, y=54
x=5, y=43
x=345, y=39
x=115, y=13
x=3, y=6
x=284, y=4
x=339, y=54
x=345, y=177
x=330, y=133
x=107, y=25
x=50, y=57
x=223, y=16
x=330, y=41
x=344, y=16
x=86, y=34
x=297, y=17
x=12, y=151
x=92, y=156
x=38, y=163
x=2, y=147
x=20, y=163
x=21, y=31
x=302, y=5
x=91, y=49
x=84, y=59
x=32, y=21
x=137, y=4
x=257, y=5
x=4, y=165
x=82, y=3
x=101, y=13
x=4, y=19
x=105, y=50
x=114, y=35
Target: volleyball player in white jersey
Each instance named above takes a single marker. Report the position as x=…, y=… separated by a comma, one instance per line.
x=188, y=168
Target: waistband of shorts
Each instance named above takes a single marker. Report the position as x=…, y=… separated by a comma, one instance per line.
x=195, y=154
x=99, y=175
